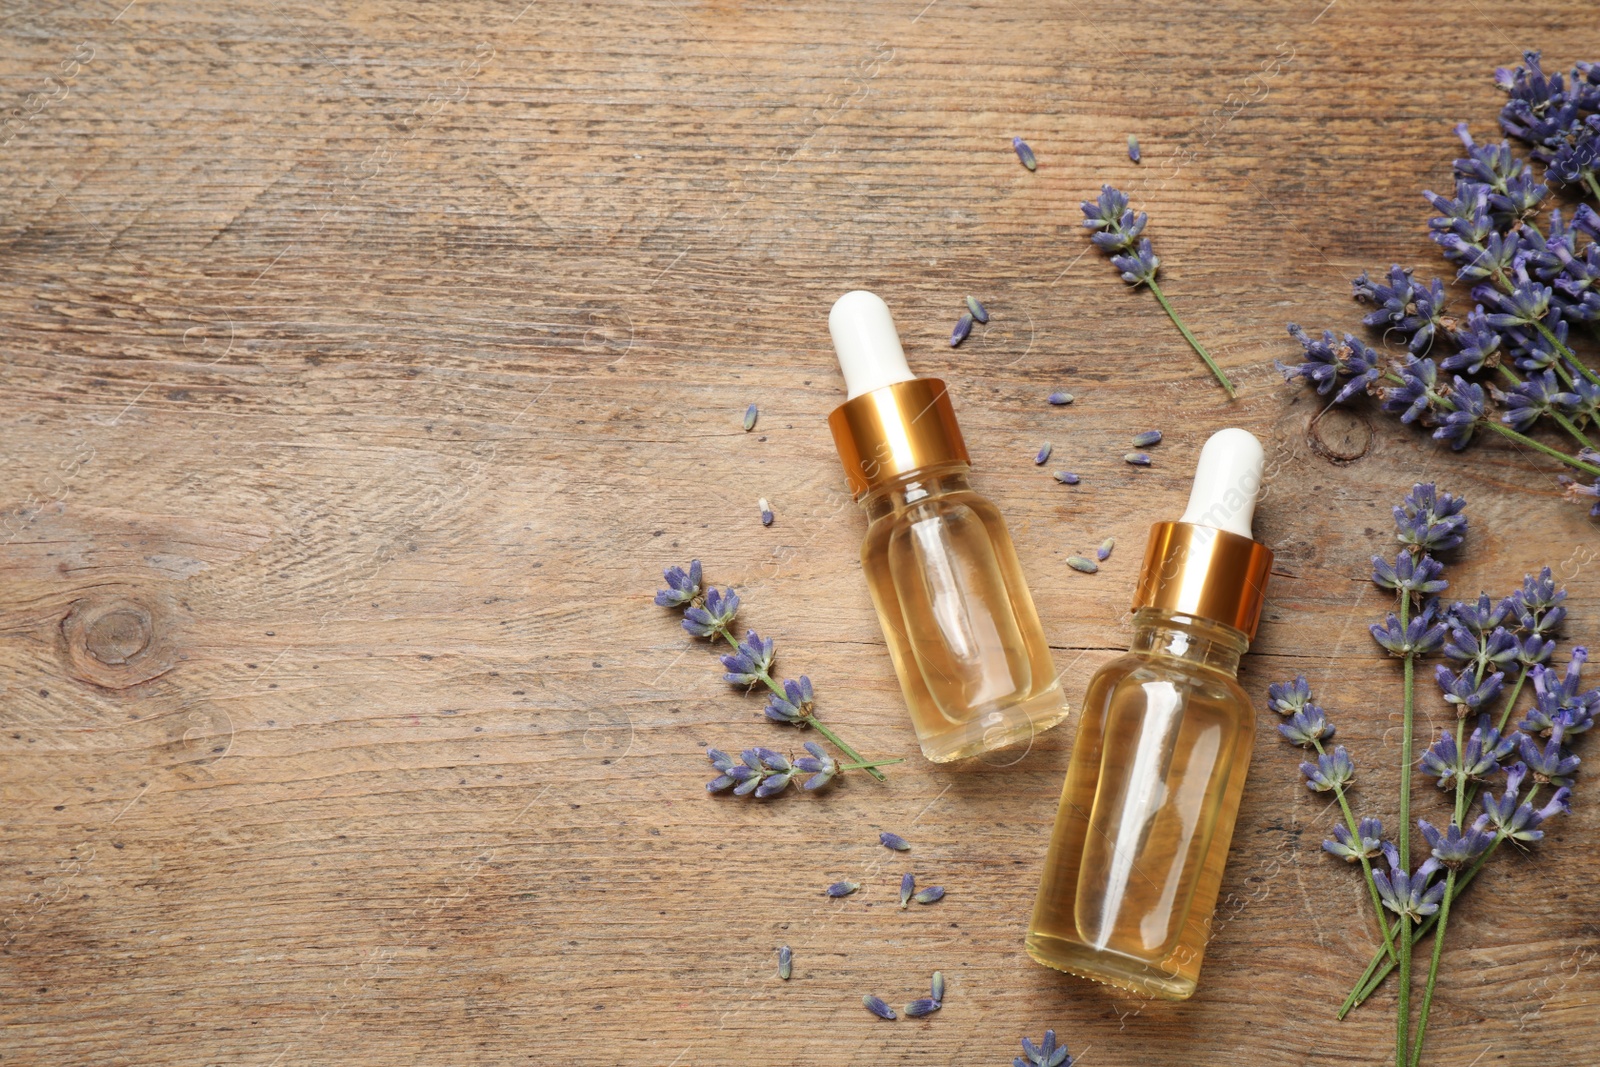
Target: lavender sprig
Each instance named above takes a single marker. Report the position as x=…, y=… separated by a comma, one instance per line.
x=763, y=773
x=1118, y=231
x=709, y=612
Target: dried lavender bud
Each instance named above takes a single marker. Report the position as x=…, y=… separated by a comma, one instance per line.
x=751, y=413
x=1060, y=399
x=918, y=1008
x=962, y=328
x=843, y=889
x=979, y=312
x=1103, y=553
x=929, y=895
x=1067, y=478
x=1024, y=153
x=1044, y=1054
x=1078, y=563
x=937, y=988
x=1138, y=459
x=766, y=512
x=1044, y=454
x=785, y=963
x=1146, y=439
x=908, y=882
x=894, y=841
x=1133, y=148
x=877, y=1007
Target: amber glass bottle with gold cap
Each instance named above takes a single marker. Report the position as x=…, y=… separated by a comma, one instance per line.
x=1164, y=740
x=961, y=627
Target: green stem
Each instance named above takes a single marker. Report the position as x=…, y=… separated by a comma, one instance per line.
x=1594, y=187
x=1572, y=461
x=1366, y=864
x=1433, y=968
x=868, y=765
x=1511, y=701
x=1561, y=420
x=815, y=723
x=1403, y=1008
x=1194, y=343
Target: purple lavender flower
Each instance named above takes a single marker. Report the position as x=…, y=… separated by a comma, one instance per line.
x=762, y=771
x=720, y=608
x=1369, y=843
x=1516, y=819
x=1535, y=650
x=1286, y=698
x=1140, y=267
x=1421, y=635
x=1475, y=761
x=1118, y=226
x=1430, y=520
x=682, y=586
x=1328, y=360
x=1559, y=700
x=1418, y=394
x=922, y=1006
x=1479, y=618
x=1044, y=1054
x=1307, y=726
x=1465, y=413
x=1455, y=847
x=1465, y=691
x=821, y=766
x=1484, y=651
x=1466, y=216
x=1531, y=399
x=1408, y=893
x=1492, y=165
x=750, y=661
x=1477, y=344
x=1526, y=304
x=1416, y=311
x=1537, y=606
x=1550, y=763
x=1332, y=770
x=875, y=1004
x=1409, y=574
x=778, y=770
x=796, y=705
x=843, y=889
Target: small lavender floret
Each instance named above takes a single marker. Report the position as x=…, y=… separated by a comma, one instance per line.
x=923, y=1006
x=1139, y=267
x=1286, y=698
x=1146, y=439
x=766, y=511
x=1068, y=478
x=908, y=884
x=1103, y=553
x=750, y=661
x=963, y=327
x=843, y=889
x=1368, y=843
x=1133, y=148
x=785, y=962
x=720, y=606
x=1333, y=770
x=1517, y=819
x=1138, y=459
x=1408, y=893
x=979, y=312
x=1557, y=699
x=1550, y=763
x=1421, y=635
x=1430, y=520
x=877, y=1007
x=1307, y=727
x=1044, y=1054
x=1464, y=691
x=936, y=988
x=1085, y=566
x=751, y=413
x=1410, y=574
x=795, y=705
x=1060, y=399
x=682, y=586
x=1455, y=847
x=929, y=895
x=819, y=765
x=1024, y=153
x=1475, y=761
x=894, y=841
x=1329, y=360
x=1043, y=455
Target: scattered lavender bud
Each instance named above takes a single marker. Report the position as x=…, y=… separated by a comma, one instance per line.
x=751, y=413
x=1067, y=478
x=1103, y=553
x=1060, y=399
x=1044, y=454
x=877, y=1007
x=929, y=895
x=908, y=882
x=1133, y=148
x=1078, y=563
x=1146, y=439
x=785, y=963
x=918, y=1008
x=766, y=512
x=1024, y=153
x=843, y=889
x=963, y=327
x=979, y=312
x=894, y=841
x=1138, y=459
x=938, y=986
x=1044, y=1054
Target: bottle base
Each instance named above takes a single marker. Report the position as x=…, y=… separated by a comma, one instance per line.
x=998, y=728
x=1109, y=968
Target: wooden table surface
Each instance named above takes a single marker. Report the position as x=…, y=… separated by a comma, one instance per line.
x=365, y=364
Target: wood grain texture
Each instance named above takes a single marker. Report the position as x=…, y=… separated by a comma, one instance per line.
x=365, y=363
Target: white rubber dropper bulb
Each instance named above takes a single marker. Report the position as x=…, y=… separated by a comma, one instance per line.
x=1226, y=481
x=867, y=342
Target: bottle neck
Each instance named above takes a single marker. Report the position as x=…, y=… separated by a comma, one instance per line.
x=1187, y=637
x=900, y=493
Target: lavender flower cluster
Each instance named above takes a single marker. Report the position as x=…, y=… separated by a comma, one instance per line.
x=1483, y=641
x=1532, y=286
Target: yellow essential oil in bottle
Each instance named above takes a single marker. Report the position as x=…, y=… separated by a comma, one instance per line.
x=1164, y=741
x=961, y=627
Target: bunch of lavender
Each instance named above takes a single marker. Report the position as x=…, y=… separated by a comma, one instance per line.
x=709, y=612
x=1484, y=641
x=1506, y=365
x=1118, y=233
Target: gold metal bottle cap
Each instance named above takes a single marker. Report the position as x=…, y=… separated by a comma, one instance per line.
x=895, y=430
x=1205, y=572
